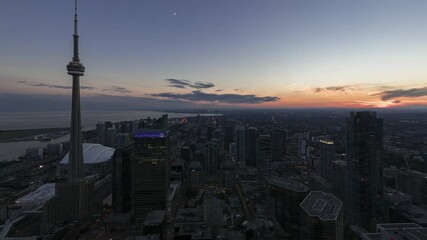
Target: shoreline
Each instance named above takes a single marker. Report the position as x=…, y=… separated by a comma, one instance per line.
x=20, y=135
x=14, y=121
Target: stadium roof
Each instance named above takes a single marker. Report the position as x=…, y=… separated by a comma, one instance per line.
x=93, y=153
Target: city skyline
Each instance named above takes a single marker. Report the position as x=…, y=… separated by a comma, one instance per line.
x=254, y=144
x=228, y=54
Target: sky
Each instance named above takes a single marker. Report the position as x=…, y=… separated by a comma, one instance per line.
x=215, y=53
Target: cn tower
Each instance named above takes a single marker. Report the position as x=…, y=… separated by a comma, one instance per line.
x=76, y=69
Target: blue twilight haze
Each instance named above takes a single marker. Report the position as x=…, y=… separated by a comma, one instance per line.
x=276, y=53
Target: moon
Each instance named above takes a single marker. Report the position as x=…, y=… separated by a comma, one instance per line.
x=174, y=13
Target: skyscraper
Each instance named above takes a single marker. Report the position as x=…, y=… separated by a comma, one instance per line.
x=251, y=138
x=122, y=178
x=151, y=172
x=240, y=141
x=211, y=164
x=365, y=168
x=100, y=132
x=110, y=137
x=303, y=147
x=228, y=135
x=263, y=149
x=278, y=141
x=228, y=174
x=327, y=152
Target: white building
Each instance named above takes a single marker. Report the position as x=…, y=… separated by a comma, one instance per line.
x=95, y=157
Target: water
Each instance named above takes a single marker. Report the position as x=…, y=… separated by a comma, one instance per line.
x=12, y=150
x=53, y=119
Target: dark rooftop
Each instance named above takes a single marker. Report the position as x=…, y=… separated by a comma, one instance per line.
x=286, y=183
x=322, y=205
x=154, y=218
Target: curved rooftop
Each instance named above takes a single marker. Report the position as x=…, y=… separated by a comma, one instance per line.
x=93, y=153
x=39, y=196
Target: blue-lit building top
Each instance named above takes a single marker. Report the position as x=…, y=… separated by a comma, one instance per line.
x=151, y=134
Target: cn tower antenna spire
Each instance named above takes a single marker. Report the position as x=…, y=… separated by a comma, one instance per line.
x=76, y=35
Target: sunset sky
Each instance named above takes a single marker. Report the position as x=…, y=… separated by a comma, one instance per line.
x=182, y=53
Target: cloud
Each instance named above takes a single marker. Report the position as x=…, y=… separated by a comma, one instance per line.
x=117, y=89
x=411, y=93
x=37, y=84
x=337, y=88
x=120, y=89
x=343, y=88
x=178, y=83
x=317, y=90
x=177, y=86
x=219, y=90
x=219, y=98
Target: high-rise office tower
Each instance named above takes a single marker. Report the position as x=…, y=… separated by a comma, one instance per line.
x=195, y=174
x=327, y=153
x=219, y=134
x=122, y=178
x=135, y=126
x=364, y=141
x=110, y=137
x=151, y=172
x=73, y=198
x=228, y=136
x=303, y=147
x=186, y=154
x=228, y=175
x=251, y=138
x=107, y=125
x=240, y=141
x=122, y=139
x=211, y=164
x=263, y=160
x=100, y=132
x=209, y=133
x=322, y=217
x=278, y=141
